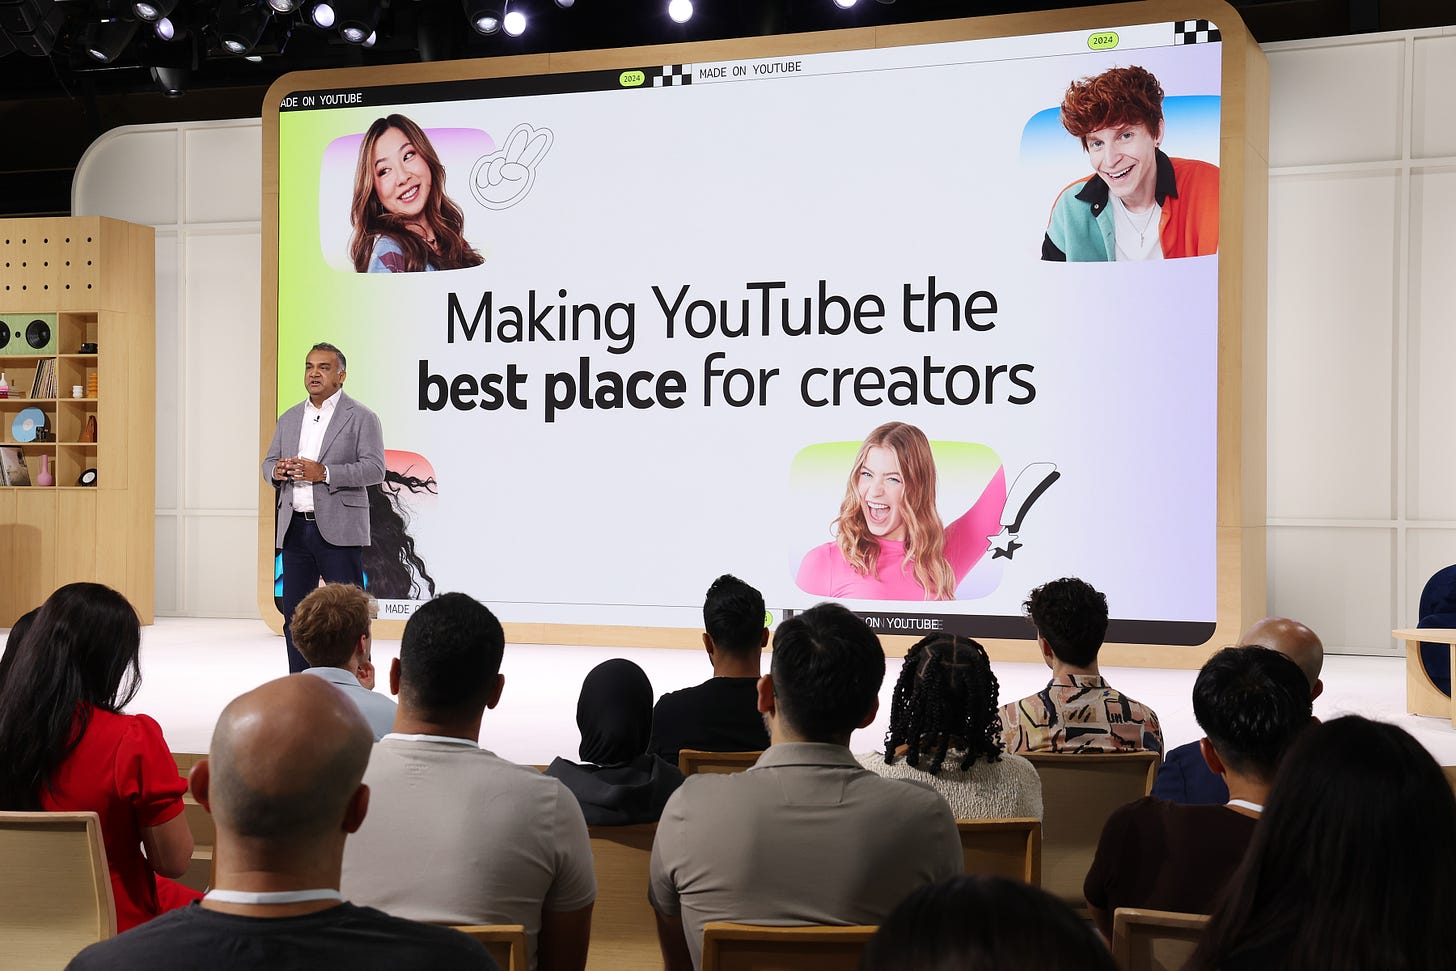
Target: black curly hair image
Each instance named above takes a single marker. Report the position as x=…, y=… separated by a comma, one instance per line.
x=945, y=698
x=392, y=567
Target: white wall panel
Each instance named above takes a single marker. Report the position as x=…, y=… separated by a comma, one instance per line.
x=220, y=405
x=169, y=348
x=223, y=582
x=1431, y=488
x=1336, y=102
x=1331, y=344
x=1337, y=580
x=170, y=564
x=1427, y=551
x=129, y=173
x=224, y=173
x=1433, y=101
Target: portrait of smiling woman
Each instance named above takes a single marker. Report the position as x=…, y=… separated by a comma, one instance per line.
x=889, y=543
x=1138, y=203
x=403, y=220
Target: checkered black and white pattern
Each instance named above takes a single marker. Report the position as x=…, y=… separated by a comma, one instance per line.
x=1195, y=32
x=671, y=75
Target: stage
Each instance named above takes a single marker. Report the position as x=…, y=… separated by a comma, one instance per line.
x=191, y=668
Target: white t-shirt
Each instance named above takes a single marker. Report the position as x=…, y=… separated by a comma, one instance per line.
x=1136, y=233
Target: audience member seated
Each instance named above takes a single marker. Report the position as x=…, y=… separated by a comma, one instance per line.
x=618, y=782
x=282, y=782
x=1251, y=703
x=975, y=923
x=67, y=745
x=944, y=711
x=1184, y=775
x=456, y=834
x=1353, y=866
x=1077, y=711
x=331, y=629
x=805, y=836
x=721, y=714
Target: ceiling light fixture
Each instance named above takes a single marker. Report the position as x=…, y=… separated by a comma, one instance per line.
x=514, y=23
x=153, y=10
x=105, y=40
x=681, y=11
x=240, y=25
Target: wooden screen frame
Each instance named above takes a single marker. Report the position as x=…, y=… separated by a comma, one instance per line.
x=1242, y=288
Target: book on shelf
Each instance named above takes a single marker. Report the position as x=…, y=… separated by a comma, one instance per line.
x=44, y=385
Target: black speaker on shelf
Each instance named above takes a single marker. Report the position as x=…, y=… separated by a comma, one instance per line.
x=28, y=334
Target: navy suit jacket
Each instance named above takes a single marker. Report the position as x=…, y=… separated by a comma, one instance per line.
x=1186, y=778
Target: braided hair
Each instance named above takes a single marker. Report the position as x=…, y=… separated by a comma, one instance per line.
x=946, y=693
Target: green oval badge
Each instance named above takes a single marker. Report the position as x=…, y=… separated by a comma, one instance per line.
x=632, y=79
x=1103, y=40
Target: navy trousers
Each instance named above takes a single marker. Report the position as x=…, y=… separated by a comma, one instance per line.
x=308, y=558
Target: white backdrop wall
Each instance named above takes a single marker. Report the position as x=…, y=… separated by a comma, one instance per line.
x=1362, y=230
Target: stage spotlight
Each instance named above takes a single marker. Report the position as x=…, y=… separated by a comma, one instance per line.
x=240, y=25
x=105, y=40
x=164, y=29
x=844, y=4
x=171, y=80
x=285, y=6
x=514, y=23
x=153, y=10
x=370, y=40
x=681, y=11
x=565, y=4
x=485, y=19
x=321, y=15
x=356, y=19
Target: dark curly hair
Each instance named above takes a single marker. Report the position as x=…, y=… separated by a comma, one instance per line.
x=1119, y=96
x=946, y=694
x=392, y=567
x=1072, y=616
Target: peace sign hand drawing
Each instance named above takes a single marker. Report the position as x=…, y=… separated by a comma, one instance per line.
x=502, y=179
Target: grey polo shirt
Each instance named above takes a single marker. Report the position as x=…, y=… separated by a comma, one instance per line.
x=806, y=836
x=378, y=710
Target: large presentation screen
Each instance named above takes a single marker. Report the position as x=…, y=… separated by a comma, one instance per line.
x=914, y=328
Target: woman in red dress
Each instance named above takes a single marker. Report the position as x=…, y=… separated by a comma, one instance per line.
x=67, y=746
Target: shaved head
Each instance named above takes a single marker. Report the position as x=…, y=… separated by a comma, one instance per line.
x=1292, y=639
x=286, y=759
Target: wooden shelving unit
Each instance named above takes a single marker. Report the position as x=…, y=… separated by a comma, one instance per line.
x=97, y=278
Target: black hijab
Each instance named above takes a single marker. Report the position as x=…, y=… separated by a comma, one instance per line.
x=614, y=713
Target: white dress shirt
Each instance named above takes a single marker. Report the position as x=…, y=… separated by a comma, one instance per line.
x=310, y=443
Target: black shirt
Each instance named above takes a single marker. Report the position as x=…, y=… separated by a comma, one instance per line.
x=719, y=715
x=346, y=936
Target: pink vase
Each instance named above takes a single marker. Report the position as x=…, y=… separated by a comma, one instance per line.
x=45, y=478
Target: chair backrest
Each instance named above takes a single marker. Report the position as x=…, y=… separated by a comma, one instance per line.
x=55, y=891
x=1008, y=848
x=1450, y=771
x=754, y=947
x=624, y=928
x=1154, y=940
x=505, y=942
x=1437, y=608
x=1079, y=791
x=691, y=761
x=201, y=868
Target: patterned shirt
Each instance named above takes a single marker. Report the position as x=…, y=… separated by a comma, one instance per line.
x=1083, y=716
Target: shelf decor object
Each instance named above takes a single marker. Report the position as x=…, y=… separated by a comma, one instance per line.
x=78, y=298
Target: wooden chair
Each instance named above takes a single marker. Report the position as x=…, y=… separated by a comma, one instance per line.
x=204, y=834
x=624, y=928
x=505, y=942
x=55, y=892
x=1154, y=940
x=1008, y=848
x=1079, y=792
x=754, y=947
x=691, y=761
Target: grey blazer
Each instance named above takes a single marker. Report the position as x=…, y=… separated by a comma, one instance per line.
x=353, y=451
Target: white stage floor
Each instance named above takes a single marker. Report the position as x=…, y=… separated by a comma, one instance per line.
x=191, y=668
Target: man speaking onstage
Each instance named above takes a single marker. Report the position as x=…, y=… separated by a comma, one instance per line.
x=335, y=452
